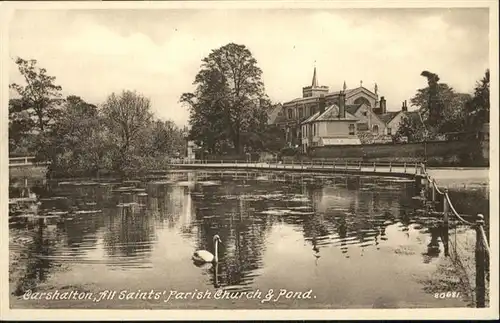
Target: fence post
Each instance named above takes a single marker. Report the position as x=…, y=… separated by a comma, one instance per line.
x=433, y=186
x=346, y=165
x=418, y=185
x=480, y=264
x=446, y=209
x=390, y=167
x=374, y=167
x=359, y=165
x=405, y=167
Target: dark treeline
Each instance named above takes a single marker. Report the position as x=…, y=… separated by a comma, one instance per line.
x=442, y=110
x=121, y=135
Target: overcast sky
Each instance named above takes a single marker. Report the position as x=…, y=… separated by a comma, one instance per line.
x=93, y=53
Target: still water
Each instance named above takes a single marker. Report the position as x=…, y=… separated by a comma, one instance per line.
x=335, y=242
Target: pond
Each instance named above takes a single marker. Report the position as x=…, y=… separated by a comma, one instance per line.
x=313, y=241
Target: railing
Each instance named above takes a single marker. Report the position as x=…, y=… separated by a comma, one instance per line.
x=21, y=160
x=481, y=247
x=380, y=167
x=25, y=161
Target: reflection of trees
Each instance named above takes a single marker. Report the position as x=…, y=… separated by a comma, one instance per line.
x=130, y=232
x=242, y=233
x=37, y=257
x=344, y=215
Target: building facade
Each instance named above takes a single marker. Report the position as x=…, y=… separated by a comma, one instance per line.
x=331, y=125
x=374, y=124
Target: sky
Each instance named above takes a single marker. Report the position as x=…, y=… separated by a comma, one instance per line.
x=93, y=53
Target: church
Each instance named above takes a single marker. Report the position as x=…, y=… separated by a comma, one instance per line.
x=363, y=107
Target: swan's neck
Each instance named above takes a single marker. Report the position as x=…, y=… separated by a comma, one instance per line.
x=216, y=253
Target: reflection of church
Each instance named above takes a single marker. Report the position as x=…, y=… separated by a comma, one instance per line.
x=360, y=102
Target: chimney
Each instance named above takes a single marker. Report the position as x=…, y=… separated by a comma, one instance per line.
x=404, y=108
x=383, y=108
x=322, y=104
x=342, y=104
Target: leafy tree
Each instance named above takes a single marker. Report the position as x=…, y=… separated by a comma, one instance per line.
x=229, y=101
x=442, y=109
x=411, y=128
x=478, y=107
x=126, y=115
x=20, y=124
x=435, y=104
x=78, y=141
x=455, y=114
x=207, y=117
x=40, y=97
x=163, y=138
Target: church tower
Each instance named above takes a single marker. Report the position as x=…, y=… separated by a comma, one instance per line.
x=314, y=89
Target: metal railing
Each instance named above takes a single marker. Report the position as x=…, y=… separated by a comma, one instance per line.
x=481, y=246
x=376, y=167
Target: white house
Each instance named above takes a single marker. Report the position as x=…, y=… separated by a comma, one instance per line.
x=331, y=125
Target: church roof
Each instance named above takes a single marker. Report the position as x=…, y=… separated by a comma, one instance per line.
x=348, y=93
x=353, y=108
x=331, y=114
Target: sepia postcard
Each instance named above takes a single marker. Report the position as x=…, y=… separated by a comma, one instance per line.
x=228, y=160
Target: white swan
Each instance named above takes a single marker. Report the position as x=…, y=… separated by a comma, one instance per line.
x=203, y=256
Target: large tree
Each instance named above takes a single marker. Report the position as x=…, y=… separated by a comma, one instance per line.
x=229, y=100
x=163, y=138
x=79, y=140
x=411, y=129
x=441, y=107
x=478, y=108
x=126, y=116
x=20, y=126
x=40, y=97
x=435, y=104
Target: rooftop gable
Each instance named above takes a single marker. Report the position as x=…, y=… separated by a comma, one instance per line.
x=388, y=116
x=331, y=114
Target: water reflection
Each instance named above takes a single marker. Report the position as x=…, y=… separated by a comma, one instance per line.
x=264, y=220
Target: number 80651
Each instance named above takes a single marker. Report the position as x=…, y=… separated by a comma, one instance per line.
x=447, y=295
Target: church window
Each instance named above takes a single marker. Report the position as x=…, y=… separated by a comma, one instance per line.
x=290, y=113
x=301, y=113
x=389, y=131
x=362, y=100
x=375, y=129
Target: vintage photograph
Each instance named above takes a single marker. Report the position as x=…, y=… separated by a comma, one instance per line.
x=249, y=158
